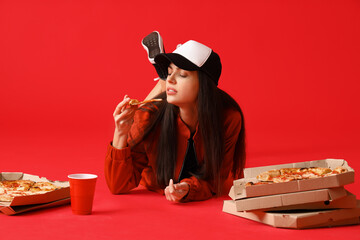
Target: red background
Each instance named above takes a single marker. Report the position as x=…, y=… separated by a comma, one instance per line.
x=293, y=66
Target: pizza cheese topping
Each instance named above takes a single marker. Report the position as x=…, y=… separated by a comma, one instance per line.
x=291, y=174
x=13, y=188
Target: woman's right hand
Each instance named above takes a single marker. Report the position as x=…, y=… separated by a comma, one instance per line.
x=124, y=118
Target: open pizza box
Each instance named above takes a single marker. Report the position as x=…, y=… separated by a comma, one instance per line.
x=240, y=190
x=27, y=203
x=299, y=219
x=315, y=199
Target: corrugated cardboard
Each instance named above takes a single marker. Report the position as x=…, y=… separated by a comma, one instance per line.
x=299, y=219
x=321, y=198
x=26, y=203
x=242, y=191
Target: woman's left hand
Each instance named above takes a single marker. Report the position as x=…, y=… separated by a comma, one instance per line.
x=175, y=192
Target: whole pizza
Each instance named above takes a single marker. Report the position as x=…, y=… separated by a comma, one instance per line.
x=291, y=174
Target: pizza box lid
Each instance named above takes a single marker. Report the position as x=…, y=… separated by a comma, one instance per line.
x=12, y=210
x=242, y=191
x=63, y=192
x=314, y=199
x=299, y=219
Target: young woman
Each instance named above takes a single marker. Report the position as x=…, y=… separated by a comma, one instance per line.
x=189, y=146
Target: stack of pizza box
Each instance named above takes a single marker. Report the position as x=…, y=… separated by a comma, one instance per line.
x=298, y=204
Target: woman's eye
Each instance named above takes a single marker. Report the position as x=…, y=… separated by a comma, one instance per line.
x=183, y=76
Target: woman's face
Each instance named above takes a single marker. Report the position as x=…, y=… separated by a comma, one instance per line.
x=182, y=87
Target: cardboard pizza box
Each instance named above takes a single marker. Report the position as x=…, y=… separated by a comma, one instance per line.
x=26, y=208
x=349, y=201
x=322, y=198
x=242, y=191
x=59, y=194
x=299, y=219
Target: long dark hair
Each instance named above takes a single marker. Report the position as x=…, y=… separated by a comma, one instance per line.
x=212, y=103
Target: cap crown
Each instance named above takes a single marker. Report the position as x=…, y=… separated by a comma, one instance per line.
x=195, y=52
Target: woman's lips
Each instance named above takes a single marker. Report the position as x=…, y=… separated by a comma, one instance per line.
x=171, y=91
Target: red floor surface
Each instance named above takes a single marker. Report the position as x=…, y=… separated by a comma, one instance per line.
x=293, y=66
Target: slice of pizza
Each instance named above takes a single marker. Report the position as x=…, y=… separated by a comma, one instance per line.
x=134, y=102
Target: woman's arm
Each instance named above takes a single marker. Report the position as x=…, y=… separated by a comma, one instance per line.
x=123, y=166
x=159, y=87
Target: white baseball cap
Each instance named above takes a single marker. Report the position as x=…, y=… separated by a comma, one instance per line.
x=191, y=56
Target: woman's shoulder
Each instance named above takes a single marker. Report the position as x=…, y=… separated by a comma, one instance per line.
x=232, y=115
x=232, y=111
x=232, y=120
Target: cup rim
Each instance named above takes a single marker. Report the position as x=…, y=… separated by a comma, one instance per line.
x=80, y=176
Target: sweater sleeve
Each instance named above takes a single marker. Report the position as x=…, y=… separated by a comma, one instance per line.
x=201, y=189
x=123, y=168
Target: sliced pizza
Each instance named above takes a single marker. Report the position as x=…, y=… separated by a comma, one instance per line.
x=134, y=102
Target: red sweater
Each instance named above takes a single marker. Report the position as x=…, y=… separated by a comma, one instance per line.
x=126, y=168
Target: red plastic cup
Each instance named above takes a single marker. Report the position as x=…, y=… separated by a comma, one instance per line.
x=82, y=189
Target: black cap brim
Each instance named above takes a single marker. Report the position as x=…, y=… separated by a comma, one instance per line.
x=164, y=60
